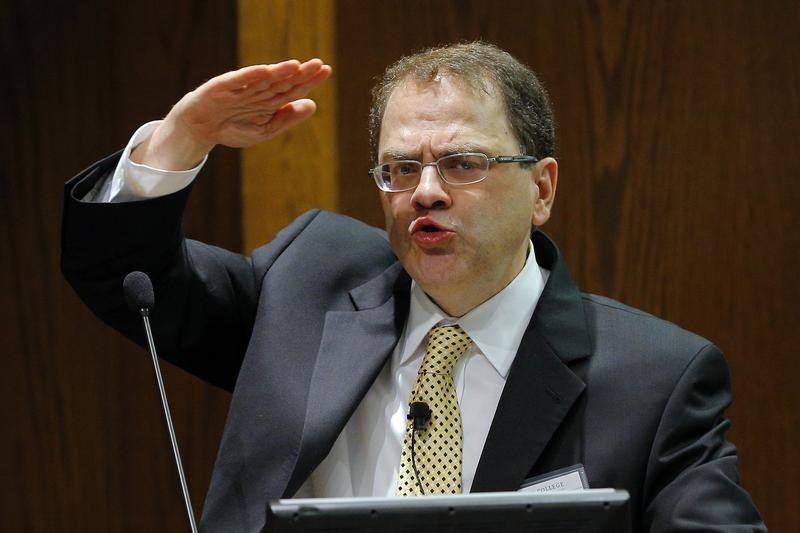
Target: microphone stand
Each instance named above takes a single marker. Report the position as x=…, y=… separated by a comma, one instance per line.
x=168, y=417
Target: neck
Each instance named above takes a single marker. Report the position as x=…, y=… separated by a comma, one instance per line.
x=455, y=306
x=458, y=300
x=460, y=297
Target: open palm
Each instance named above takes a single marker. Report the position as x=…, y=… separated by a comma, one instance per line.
x=239, y=108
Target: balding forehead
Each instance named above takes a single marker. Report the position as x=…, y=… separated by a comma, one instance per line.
x=476, y=85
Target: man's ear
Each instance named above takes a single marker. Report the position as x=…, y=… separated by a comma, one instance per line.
x=545, y=178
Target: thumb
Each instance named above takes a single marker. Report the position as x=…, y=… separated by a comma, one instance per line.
x=290, y=115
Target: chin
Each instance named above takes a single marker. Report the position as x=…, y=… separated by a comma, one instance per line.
x=436, y=271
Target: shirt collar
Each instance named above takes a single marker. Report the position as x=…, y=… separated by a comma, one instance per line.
x=496, y=326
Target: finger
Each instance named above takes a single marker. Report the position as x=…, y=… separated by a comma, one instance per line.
x=289, y=116
x=310, y=76
x=311, y=73
x=271, y=100
x=252, y=131
x=236, y=79
x=310, y=68
x=245, y=77
x=321, y=75
x=281, y=80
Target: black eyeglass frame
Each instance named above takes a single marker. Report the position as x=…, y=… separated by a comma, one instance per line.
x=377, y=173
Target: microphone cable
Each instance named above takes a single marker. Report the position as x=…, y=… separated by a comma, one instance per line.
x=419, y=413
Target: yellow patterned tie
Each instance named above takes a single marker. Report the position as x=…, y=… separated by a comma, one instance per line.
x=437, y=452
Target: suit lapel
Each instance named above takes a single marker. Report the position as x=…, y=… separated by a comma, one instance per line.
x=541, y=388
x=354, y=347
x=538, y=395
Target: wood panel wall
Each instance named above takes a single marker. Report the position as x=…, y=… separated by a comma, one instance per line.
x=678, y=192
x=84, y=447
x=298, y=170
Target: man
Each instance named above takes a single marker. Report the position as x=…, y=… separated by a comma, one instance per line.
x=325, y=334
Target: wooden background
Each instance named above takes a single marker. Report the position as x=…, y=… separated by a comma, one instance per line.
x=678, y=193
x=84, y=447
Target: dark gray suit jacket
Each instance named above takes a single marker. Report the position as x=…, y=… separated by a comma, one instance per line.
x=299, y=332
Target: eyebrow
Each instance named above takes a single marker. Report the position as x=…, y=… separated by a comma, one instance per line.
x=398, y=154
x=394, y=154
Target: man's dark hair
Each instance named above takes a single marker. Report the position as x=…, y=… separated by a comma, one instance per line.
x=481, y=67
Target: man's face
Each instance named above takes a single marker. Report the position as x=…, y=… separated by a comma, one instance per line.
x=461, y=243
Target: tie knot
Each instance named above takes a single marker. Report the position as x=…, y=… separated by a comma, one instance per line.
x=445, y=345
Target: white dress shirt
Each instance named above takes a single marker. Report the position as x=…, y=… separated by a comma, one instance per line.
x=365, y=459
x=133, y=181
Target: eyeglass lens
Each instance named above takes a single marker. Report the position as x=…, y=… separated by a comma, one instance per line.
x=456, y=168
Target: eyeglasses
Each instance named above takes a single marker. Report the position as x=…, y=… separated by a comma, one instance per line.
x=455, y=169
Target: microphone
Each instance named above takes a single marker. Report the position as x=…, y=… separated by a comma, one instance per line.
x=419, y=413
x=139, y=296
x=138, y=292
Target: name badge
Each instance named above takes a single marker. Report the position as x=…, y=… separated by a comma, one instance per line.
x=569, y=478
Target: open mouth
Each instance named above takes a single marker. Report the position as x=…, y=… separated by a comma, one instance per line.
x=427, y=233
x=426, y=225
x=429, y=229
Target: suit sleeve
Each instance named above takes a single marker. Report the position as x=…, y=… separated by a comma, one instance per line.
x=205, y=296
x=693, y=481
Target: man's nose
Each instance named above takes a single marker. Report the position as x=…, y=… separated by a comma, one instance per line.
x=431, y=191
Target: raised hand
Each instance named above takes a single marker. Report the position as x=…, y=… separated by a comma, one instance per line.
x=238, y=109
